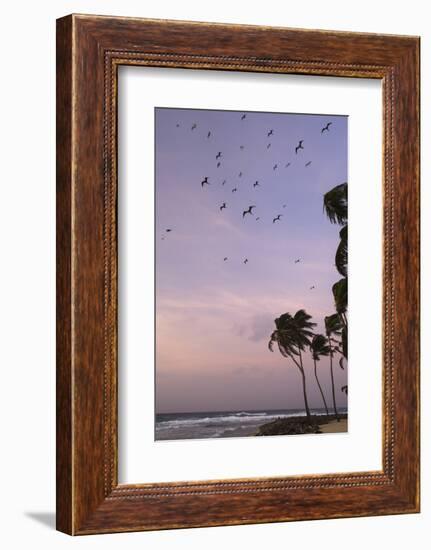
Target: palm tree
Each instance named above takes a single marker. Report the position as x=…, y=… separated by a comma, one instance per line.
x=335, y=204
x=319, y=348
x=292, y=334
x=333, y=328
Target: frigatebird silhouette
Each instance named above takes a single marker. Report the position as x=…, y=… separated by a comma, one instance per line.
x=225, y=259
x=297, y=261
x=194, y=126
x=268, y=146
x=218, y=164
x=308, y=163
x=275, y=167
x=325, y=128
x=243, y=116
x=256, y=183
x=248, y=211
x=234, y=190
x=205, y=181
x=246, y=261
x=223, y=206
x=312, y=287
x=277, y=218
x=299, y=146
x=287, y=165
x=270, y=133
x=209, y=135
x=218, y=155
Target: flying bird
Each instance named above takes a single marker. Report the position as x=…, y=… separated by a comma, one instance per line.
x=299, y=146
x=178, y=125
x=234, y=190
x=194, y=126
x=248, y=211
x=218, y=164
x=240, y=174
x=246, y=261
x=223, y=206
x=257, y=219
x=325, y=128
x=255, y=184
x=287, y=165
x=308, y=163
x=284, y=205
x=225, y=259
x=268, y=146
x=241, y=147
x=275, y=167
x=168, y=230
x=297, y=261
x=270, y=133
x=312, y=287
x=223, y=182
x=277, y=218
x=243, y=116
x=208, y=135
x=218, y=155
x=205, y=181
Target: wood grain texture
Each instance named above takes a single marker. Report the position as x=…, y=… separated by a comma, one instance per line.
x=90, y=49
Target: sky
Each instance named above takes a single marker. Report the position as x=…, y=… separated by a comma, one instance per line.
x=214, y=317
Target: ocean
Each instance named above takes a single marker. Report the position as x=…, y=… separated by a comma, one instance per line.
x=204, y=425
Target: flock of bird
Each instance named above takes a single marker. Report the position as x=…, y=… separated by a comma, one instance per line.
x=249, y=210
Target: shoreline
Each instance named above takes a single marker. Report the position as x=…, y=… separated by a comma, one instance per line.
x=297, y=425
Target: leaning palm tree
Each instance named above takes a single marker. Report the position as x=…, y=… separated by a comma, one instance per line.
x=335, y=204
x=292, y=335
x=333, y=328
x=319, y=348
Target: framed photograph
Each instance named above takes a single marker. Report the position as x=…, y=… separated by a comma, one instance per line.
x=237, y=274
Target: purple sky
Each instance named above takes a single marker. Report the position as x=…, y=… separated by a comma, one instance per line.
x=214, y=317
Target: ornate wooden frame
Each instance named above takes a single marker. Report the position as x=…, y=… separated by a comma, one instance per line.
x=89, y=51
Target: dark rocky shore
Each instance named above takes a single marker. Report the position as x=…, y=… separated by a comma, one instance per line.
x=297, y=425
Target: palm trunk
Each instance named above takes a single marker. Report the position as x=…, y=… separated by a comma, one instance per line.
x=320, y=388
x=332, y=381
x=304, y=389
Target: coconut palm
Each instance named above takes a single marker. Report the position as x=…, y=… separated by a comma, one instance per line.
x=319, y=348
x=335, y=204
x=292, y=335
x=333, y=328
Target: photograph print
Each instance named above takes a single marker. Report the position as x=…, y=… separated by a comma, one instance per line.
x=251, y=274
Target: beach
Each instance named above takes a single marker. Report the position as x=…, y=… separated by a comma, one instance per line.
x=301, y=425
x=228, y=424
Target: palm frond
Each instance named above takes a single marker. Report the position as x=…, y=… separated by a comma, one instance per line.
x=335, y=204
x=341, y=254
x=319, y=347
x=339, y=290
